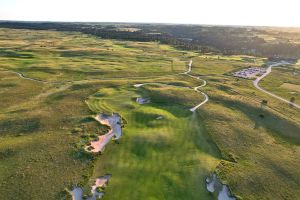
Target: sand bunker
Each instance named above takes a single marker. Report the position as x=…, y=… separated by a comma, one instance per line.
x=77, y=193
x=115, y=132
x=210, y=183
x=159, y=117
x=213, y=184
x=101, y=182
x=142, y=100
x=224, y=194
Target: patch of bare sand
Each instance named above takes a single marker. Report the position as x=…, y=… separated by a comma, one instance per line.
x=213, y=184
x=114, y=121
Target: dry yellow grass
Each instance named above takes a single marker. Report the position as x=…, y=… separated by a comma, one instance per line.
x=290, y=86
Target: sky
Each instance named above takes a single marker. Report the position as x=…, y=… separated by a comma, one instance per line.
x=216, y=12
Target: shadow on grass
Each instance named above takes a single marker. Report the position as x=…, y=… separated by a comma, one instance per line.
x=141, y=145
x=17, y=126
x=202, y=138
x=283, y=128
x=14, y=54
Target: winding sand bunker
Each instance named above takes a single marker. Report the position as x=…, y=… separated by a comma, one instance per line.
x=115, y=132
x=213, y=184
x=101, y=182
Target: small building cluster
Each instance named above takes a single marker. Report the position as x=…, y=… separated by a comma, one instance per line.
x=249, y=73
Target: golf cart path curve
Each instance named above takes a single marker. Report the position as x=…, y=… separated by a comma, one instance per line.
x=268, y=71
x=197, y=88
x=24, y=77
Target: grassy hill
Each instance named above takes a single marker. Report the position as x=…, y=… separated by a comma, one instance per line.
x=45, y=121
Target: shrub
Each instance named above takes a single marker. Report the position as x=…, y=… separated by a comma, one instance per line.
x=77, y=130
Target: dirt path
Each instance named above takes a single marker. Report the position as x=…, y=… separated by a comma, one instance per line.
x=268, y=71
x=197, y=88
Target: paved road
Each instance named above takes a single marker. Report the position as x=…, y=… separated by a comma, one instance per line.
x=269, y=70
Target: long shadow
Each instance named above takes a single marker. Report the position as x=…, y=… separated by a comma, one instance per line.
x=281, y=127
x=202, y=139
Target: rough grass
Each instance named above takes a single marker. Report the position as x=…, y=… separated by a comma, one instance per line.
x=56, y=56
x=43, y=126
x=283, y=81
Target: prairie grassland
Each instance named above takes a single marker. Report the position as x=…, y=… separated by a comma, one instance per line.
x=56, y=56
x=290, y=86
x=288, y=75
x=261, y=145
x=44, y=126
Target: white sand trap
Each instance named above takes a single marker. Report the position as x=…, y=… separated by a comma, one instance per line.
x=213, y=184
x=77, y=193
x=224, y=194
x=142, y=100
x=138, y=85
x=115, y=132
x=100, y=182
x=159, y=117
x=210, y=183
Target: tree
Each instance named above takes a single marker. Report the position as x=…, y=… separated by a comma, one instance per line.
x=263, y=103
x=292, y=100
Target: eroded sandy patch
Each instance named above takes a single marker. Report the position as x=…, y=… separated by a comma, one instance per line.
x=114, y=121
x=97, y=189
x=213, y=184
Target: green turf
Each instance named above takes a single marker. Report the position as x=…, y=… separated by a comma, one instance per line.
x=44, y=126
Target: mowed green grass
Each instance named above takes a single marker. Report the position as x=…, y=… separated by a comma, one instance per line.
x=166, y=158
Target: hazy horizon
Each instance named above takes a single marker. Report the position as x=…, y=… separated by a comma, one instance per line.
x=215, y=12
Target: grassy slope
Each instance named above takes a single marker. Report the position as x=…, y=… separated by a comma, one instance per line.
x=56, y=56
x=38, y=158
x=279, y=76
x=156, y=159
x=265, y=150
